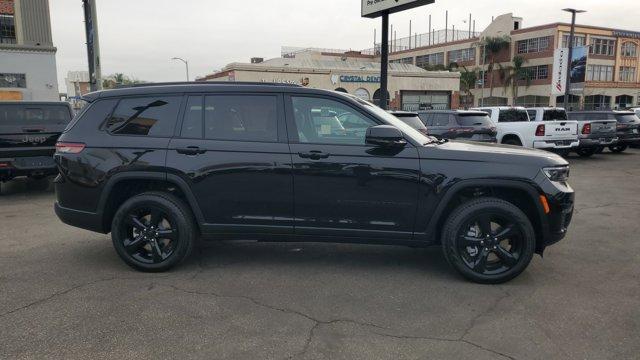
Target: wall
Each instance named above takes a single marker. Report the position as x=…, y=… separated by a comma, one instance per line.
x=40, y=67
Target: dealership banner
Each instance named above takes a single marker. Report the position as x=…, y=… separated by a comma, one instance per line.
x=578, y=69
x=560, y=65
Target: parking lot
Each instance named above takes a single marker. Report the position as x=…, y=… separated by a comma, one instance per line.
x=64, y=293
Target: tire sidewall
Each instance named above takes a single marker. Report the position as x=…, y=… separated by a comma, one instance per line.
x=466, y=212
x=179, y=218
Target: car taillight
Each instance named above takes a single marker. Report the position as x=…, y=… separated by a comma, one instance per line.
x=4, y=165
x=69, y=148
x=586, y=129
x=541, y=130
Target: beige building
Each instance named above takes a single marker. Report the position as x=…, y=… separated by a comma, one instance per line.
x=612, y=74
x=410, y=87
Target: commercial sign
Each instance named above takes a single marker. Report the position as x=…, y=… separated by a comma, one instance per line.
x=359, y=79
x=578, y=69
x=627, y=34
x=560, y=65
x=375, y=8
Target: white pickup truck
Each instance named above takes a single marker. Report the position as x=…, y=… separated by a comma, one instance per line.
x=515, y=127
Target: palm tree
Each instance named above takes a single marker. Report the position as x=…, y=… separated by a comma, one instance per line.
x=492, y=47
x=119, y=79
x=514, y=75
x=468, y=80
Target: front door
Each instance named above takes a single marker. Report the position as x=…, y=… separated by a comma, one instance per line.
x=342, y=186
x=232, y=150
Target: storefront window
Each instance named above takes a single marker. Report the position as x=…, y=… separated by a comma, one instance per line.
x=597, y=102
x=425, y=100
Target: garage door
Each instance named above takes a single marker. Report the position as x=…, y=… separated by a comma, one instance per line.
x=425, y=100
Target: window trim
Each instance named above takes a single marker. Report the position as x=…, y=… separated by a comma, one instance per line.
x=292, y=128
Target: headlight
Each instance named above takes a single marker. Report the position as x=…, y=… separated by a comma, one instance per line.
x=558, y=174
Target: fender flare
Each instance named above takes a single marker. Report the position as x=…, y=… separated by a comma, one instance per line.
x=513, y=134
x=455, y=189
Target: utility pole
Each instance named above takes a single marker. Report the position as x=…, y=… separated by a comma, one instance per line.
x=93, y=44
x=567, y=90
x=384, y=61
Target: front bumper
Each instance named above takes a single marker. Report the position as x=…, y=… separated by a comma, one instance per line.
x=561, y=200
x=556, y=144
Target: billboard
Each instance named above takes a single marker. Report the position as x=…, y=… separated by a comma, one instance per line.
x=560, y=66
x=375, y=8
x=578, y=68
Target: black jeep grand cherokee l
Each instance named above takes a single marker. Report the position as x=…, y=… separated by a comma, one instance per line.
x=161, y=166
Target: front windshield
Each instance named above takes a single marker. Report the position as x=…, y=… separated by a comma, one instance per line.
x=392, y=120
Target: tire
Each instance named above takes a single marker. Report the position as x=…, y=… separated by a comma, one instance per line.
x=618, y=148
x=599, y=150
x=521, y=242
x=161, y=238
x=563, y=153
x=512, y=141
x=586, y=152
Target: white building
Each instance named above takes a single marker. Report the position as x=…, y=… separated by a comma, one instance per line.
x=27, y=55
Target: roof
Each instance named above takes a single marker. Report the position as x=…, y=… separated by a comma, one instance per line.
x=2, y=102
x=403, y=113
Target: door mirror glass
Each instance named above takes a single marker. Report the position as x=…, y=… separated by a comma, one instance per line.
x=385, y=136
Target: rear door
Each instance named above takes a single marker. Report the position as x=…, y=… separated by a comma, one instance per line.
x=31, y=130
x=231, y=150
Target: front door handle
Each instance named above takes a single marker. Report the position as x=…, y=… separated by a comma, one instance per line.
x=314, y=155
x=191, y=150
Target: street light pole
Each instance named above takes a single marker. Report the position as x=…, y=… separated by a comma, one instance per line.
x=384, y=62
x=186, y=63
x=567, y=89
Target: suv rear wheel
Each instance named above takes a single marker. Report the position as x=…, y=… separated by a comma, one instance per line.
x=586, y=152
x=618, y=148
x=153, y=231
x=488, y=240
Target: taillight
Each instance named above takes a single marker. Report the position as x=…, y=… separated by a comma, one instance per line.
x=586, y=129
x=541, y=130
x=69, y=148
x=4, y=165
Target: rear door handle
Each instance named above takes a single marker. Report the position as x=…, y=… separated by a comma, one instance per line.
x=191, y=150
x=314, y=155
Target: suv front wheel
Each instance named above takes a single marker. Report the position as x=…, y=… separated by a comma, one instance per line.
x=488, y=240
x=153, y=231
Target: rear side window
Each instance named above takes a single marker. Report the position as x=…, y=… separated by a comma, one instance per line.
x=30, y=115
x=532, y=114
x=95, y=113
x=513, y=115
x=241, y=117
x=146, y=116
x=553, y=115
x=627, y=118
x=426, y=118
x=474, y=120
x=413, y=121
x=441, y=120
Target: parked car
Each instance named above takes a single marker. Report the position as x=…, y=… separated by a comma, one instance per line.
x=596, y=131
x=28, y=134
x=412, y=119
x=516, y=128
x=459, y=125
x=546, y=114
x=159, y=166
x=628, y=130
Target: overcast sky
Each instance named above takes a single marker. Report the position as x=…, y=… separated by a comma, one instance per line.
x=139, y=37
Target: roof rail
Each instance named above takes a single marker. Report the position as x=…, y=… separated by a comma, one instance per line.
x=245, y=83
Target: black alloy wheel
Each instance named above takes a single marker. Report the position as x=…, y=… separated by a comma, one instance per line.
x=153, y=232
x=488, y=240
x=618, y=148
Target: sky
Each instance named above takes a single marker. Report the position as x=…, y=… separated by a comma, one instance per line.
x=139, y=37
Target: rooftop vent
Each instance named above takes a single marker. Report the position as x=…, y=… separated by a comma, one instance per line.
x=257, y=60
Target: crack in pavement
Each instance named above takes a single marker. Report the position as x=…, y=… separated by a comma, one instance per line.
x=579, y=210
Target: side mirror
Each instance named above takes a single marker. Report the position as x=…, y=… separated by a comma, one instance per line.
x=385, y=136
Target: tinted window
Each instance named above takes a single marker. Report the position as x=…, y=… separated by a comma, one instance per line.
x=627, y=118
x=551, y=115
x=441, y=120
x=318, y=121
x=241, y=117
x=28, y=115
x=413, y=121
x=532, y=114
x=474, y=120
x=513, y=115
x=148, y=116
x=93, y=114
x=426, y=118
x=193, y=116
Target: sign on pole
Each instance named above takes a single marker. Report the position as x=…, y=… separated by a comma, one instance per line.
x=578, y=69
x=560, y=66
x=375, y=8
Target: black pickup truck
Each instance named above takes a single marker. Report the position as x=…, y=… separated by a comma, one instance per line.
x=28, y=135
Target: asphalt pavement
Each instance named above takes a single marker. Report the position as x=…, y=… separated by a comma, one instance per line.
x=64, y=293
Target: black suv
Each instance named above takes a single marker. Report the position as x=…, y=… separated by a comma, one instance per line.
x=28, y=134
x=459, y=125
x=161, y=166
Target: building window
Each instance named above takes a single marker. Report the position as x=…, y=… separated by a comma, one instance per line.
x=624, y=101
x=534, y=45
x=7, y=29
x=578, y=40
x=629, y=49
x=493, y=101
x=408, y=60
x=627, y=74
x=532, y=101
x=599, y=46
x=430, y=60
x=13, y=80
x=599, y=73
x=597, y=102
x=540, y=72
x=462, y=55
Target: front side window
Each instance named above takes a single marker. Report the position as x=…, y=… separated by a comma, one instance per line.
x=192, y=124
x=324, y=121
x=513, y=115
x=241, y=117
x=146, y=116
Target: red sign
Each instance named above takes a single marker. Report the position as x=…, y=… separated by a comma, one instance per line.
x=6, y=7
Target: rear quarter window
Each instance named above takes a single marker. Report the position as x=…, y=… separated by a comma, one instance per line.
x=552, y=115
x=145, y=116
x=474, y=120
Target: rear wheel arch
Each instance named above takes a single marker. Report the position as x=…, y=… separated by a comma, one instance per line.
x=511, y=137
x=521, y=194
x=126, y=185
